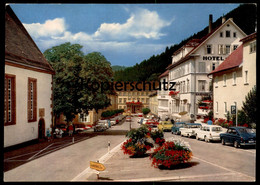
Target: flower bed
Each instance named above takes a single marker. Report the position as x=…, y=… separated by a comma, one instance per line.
x=170, y=154
x=141, y=140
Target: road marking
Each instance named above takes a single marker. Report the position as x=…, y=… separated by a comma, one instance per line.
x=39, y=152
x=88, y=171
x=233, y=171
x=173, y=177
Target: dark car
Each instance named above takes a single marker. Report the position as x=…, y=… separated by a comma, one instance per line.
x=176, y=127
x=239, y=136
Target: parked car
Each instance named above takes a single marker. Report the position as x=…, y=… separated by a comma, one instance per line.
x=239, y=136
x=165, y=125
x=190, y=129
x=99, y=127
x=128, y=118
x=105, y=122
x=79, y=127
x=176, y=127
x=153, y=127
x=209, y=133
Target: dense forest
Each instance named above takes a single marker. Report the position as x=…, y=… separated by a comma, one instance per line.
x=118, y=68
x=244, y=16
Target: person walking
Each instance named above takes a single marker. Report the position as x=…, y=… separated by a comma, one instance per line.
x=70, y=130
x=48, y=133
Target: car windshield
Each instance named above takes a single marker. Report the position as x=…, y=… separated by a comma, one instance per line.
x=246, y=130
x=216, y=129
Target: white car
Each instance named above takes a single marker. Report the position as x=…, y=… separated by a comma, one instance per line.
x=104, y=122
x=190, y=129
x=209, y=133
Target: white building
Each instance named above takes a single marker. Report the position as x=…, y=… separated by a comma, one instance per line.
x=234, y=78
x=163, y=96
x=193, y=61
x=28, y=85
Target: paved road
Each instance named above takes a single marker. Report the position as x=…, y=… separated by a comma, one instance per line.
x=66, y=163
x=210, y=161
x=228, y=158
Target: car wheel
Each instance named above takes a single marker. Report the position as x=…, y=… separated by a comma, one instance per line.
x=236, y=145
x=223, y=141
x=206, y=139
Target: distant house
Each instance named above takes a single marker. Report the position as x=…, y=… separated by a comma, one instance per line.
x=92, y=117
x=28, y=85
x=235, y=77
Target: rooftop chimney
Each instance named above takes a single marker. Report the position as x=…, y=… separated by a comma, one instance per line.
x=223, y=19
x=210, y=22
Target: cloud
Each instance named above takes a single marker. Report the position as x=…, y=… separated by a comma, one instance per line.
x=109, y=37
x=141, y=24
x=50, y=28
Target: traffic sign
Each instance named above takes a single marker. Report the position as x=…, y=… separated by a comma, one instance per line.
x=233, y=109
x=97, y=166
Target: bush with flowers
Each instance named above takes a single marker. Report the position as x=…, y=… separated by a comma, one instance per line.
x=137, y=144
x=169, y=154
x=158, y=137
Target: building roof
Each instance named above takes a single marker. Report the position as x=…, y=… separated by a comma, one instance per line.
x=249, y=37
x=232, y=61
x=201, y=42
x=166, y=73
x=19, y=46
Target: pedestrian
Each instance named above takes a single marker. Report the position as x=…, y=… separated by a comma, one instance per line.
x=70, y=130
x=48, y=133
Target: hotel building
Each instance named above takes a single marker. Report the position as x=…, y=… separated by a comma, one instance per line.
x=194, y=60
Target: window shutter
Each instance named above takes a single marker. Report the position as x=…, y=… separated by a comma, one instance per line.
x=35, y=100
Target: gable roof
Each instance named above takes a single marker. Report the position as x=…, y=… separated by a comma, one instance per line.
x=164, y=74
x=202, y=41
x=19, y=46
x=232, y=61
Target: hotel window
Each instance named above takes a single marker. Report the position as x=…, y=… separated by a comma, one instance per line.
x=224, y=80
x=227, y=33
x=225, y=107
x=209, y=49
x=221, y=49
x=235, y=47
x=234, y=78
x=227, y=49
x=202, y=84
x=9, y=100
x=246, y=77
x=32, y=99
x=221, y=34
x=202, y=67
x=84, y=118
x=253, y=47
x=235, y=34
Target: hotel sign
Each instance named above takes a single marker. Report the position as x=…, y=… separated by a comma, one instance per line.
x=217, y=58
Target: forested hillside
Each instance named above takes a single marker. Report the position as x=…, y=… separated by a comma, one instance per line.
x=244, y=16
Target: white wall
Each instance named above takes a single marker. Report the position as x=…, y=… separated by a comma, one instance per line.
x=23, y=130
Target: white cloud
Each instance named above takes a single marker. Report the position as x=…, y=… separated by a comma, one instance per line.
x=50, y=28
x=141, y=24
x=110, y=37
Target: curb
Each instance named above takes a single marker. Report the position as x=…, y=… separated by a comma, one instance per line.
x=88, y=171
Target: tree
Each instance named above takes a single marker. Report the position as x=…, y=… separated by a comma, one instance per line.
x=146, y=111
x=73, y=74
x=250, y=105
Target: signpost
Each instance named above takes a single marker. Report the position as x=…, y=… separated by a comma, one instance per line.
x=234, y=111
x=97, y=166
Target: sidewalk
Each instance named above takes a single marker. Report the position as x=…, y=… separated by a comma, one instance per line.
x=120, y=167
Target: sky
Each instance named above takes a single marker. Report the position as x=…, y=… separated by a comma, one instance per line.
x=125, y=34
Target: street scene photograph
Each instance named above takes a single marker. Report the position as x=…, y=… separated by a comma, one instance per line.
x=130, y=92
